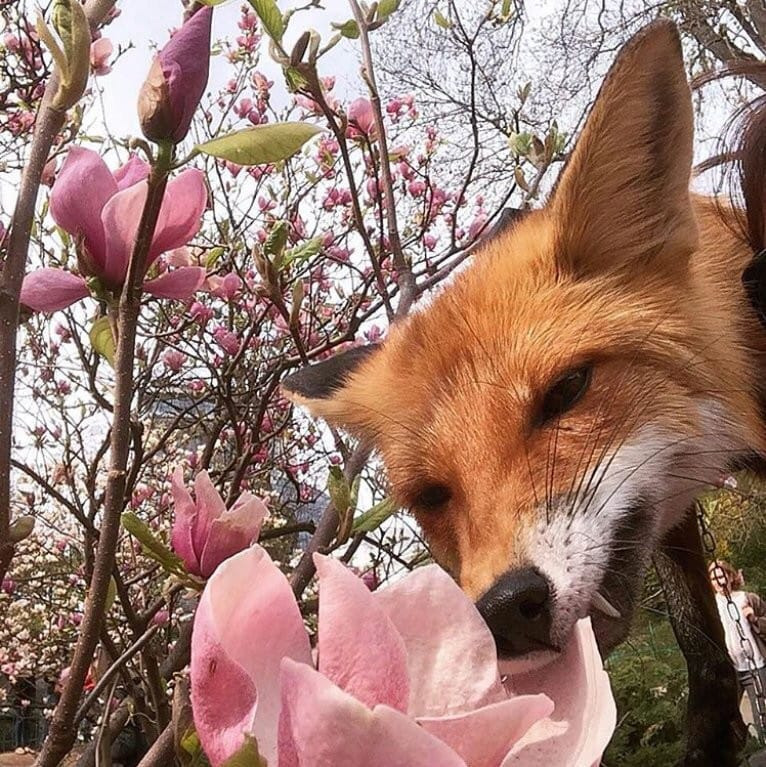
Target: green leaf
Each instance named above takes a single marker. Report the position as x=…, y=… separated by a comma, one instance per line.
x=295, y=80
x=102, y=340
x=338, y=489
x=261, y=144
x=152, y=545
x=386, y=8
x=190, y=741
x=247, y=756
x=304, y=251
x=277, y=239
x=520, y=143
x=374, y=517
x=349, y=29
x=213, y=255
x=271, y=18
x=441, y=20
x=111, y=595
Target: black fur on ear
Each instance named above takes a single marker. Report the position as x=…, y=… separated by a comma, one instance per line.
x=508, y=218
x=322, y=380
x=754, y=281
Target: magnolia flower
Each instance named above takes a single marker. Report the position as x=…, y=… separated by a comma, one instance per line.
x=100, y=51
x=407, y=676
x=176, y=81
x=102, y=210
x=361, y=118
x=204, y=532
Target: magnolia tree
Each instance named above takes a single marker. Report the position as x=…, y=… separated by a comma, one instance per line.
x=154, y=291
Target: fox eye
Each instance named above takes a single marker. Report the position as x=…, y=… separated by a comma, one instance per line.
x=432, y=497
x=565, y=393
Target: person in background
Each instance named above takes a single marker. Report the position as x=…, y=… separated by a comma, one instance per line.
x=752, y=618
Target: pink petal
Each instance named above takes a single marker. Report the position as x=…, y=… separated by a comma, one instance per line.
x=483, y=737
x=180, y=283
x=134, y=170
x=48, y=290
x=322, y=726
x=181, y=213
x=183, y=523
x=247, y=617
x=451, y=655
x=360, y=650
x=233, y=531
x=79, y=213
x=185, y=63
x=120, y=217
x=584, y=716
x=223, y=694
x=210, y=506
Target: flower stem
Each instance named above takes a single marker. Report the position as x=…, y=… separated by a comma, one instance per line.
x=62, y=733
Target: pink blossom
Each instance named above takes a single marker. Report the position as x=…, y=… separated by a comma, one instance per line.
x=204, y=532
x=429, y=241
x=173, y=359
x=226, y=287
x=161, y=618
x=361, y=119
x=373, y=334
x=177, y=79
x=227, y=340
x=262, y=84
x=416, y=187
x=248, y=20
x=105, y=221
x=407, y=675
x=200, y=313
x=477, y=225
x=308, y=104
x=100, y=51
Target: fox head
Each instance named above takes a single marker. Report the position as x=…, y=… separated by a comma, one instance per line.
x=554, y=410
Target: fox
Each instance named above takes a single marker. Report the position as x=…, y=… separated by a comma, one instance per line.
x=551, y=415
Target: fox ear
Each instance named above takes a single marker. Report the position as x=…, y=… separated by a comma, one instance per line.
x=623, y=197
x=324, y=389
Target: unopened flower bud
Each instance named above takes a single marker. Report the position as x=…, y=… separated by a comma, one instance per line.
x=176, y=81
x=70, y=52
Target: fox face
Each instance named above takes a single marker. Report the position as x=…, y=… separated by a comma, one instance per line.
x=553, y=412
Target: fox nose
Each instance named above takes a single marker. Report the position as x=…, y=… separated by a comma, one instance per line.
x=517, y=609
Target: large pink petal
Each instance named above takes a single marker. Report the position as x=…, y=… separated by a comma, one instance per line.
x=360, y=650
x=181, y=213
x=584, y=714
x=451, y=655
x=210, y=506
x=322, y=726
x=485, y=736
x=120, y=217
x=247, y=616
x=82, y=188
x=233, y=531
x=48, y=290
x=134, y=170
x=185, y=513
x=180, y=283
x=223, y=694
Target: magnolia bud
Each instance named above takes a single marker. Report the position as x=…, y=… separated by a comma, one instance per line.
x=176, y=81
x=72, y=55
